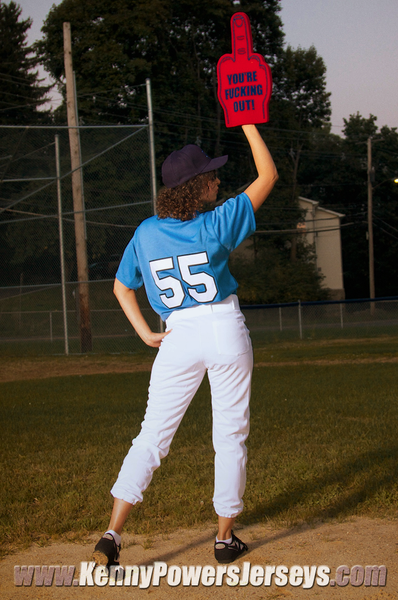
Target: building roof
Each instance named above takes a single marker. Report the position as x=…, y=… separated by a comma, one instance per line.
x=315, y=204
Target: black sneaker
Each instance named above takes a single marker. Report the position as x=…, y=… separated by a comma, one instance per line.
x=227, y=553
x=106, y=552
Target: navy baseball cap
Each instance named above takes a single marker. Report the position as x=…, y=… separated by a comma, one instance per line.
x=182, y=165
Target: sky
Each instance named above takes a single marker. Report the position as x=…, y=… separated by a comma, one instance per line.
x=357, y=40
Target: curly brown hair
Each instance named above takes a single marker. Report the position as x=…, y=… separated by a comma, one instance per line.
x=185, y=200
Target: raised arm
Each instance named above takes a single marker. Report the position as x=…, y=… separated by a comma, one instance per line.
x=260, y=189
x=128, y=301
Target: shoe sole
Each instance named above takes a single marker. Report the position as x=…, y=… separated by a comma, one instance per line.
x=228, y=562
x=100, y=558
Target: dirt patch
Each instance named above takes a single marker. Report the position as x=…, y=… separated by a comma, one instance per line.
x=357, y=542
x=42, y=368
x=337, y=361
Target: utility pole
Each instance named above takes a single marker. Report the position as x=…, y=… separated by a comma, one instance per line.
x=370, y=225
x=77, y=192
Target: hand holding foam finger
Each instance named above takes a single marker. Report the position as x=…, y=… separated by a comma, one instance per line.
x=244, y=78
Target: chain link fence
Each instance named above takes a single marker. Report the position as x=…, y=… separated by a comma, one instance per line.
x=322, y=320
x=31, y=320
x=117, y=196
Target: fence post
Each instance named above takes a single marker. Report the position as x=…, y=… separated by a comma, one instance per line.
x=51, y=327
x=280, y=318
x=341, y=315
x=61, y=244
x=151, y=144
x=300, y=320
x=152, y=159
x=20, y=301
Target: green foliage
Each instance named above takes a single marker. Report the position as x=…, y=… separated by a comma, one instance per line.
x=284, y=268
x=117, y=45
x=20, y=91
x=177, y=44
x=21, y=96
x=335, y=174
x=300, y=96
x=272, y=278
x=300, y=111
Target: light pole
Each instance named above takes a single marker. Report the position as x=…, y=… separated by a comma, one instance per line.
x=371, y=187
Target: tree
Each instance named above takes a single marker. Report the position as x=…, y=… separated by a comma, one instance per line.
x=272, y=278
x=385, y=210
x=20, y=91
x=177, y=43
x=335, y=174
x=300, y=97
x=300, y=112
x=301, y=106
x=21, y=97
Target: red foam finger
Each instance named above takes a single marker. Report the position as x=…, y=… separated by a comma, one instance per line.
x=242, y=42
x=244, y=78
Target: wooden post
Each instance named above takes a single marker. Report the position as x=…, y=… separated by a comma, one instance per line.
x=152, y=162
x=78, y=206
x=151, y=144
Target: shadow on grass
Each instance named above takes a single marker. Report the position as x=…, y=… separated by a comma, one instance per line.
x=358, y=481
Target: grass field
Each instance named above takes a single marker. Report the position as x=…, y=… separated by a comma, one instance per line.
x=323, y=445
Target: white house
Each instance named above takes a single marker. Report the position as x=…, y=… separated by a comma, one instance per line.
x=322, y=228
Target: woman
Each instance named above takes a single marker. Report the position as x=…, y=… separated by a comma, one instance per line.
x=181, y=256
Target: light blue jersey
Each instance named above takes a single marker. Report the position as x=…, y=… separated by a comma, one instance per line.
x=183, y=263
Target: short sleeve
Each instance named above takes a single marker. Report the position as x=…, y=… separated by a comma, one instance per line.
x=129, y=272
x=234, y=221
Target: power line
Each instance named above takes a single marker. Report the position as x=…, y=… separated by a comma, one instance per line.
x=304, y=233
x=70, y=172
x=202, y=119
x=388, y=225
x=38, y=216
x=23, y=105
x=15, y=96
x=22, y=80
x=387, y=232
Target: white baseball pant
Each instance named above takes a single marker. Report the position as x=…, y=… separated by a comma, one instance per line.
x=212, y=338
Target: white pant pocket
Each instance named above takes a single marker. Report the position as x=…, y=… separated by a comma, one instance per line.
x=231, y=337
